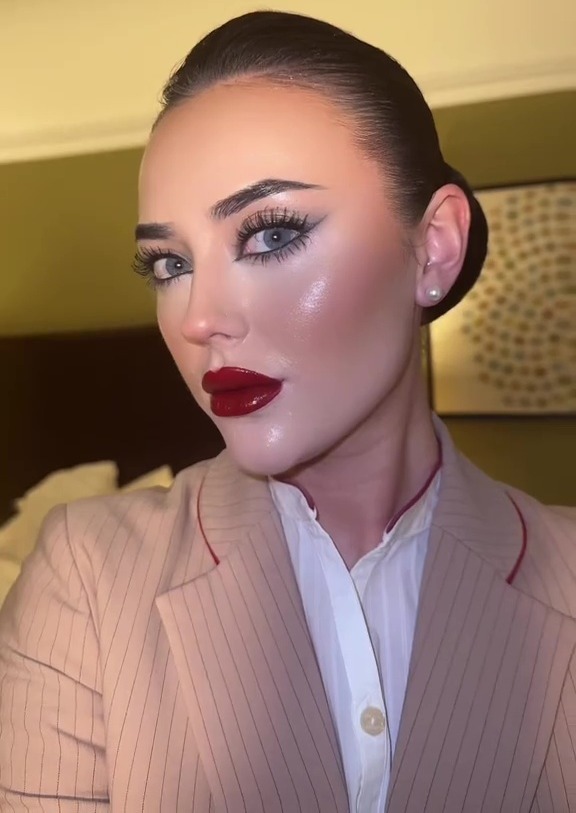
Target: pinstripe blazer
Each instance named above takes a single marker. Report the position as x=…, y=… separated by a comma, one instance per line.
x=155, y=657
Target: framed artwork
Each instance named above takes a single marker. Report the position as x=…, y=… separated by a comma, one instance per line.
x=510, y=346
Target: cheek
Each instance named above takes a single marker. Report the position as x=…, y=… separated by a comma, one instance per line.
x=337, y=300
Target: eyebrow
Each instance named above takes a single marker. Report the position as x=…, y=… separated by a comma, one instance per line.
x=237, y=201
x=154, y=231
x=228, y=206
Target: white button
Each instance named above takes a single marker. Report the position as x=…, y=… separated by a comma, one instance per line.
x=372, y=721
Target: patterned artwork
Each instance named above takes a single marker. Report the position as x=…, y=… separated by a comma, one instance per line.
x=510, y=346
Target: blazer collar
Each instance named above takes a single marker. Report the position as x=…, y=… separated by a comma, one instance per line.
x=477, y=683
x=247, y=668
x=477, y=511
x=471, y=507
x=488, y=662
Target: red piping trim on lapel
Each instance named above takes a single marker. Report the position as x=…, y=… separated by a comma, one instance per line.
x=422, y=491
x=516, y=568
x=212, y=554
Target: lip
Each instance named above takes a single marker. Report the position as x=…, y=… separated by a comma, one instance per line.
x=235, y=391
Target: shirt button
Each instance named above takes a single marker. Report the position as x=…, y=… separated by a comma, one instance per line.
x=372, y=721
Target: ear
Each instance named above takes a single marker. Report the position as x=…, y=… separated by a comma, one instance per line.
x=442, y=244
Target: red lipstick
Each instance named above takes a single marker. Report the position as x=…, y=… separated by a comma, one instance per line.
x=235, y=391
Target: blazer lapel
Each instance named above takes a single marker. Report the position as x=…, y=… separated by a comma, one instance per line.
x=488, y=662
x=246, y=664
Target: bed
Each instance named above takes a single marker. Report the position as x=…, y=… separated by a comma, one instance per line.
x=73, y=399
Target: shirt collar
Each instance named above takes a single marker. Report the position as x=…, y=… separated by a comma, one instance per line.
x=291, y=502
x=413, y=518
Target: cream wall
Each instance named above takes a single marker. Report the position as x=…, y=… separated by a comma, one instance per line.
x=80, y=77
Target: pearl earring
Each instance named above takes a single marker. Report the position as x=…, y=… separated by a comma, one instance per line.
x=435, y=294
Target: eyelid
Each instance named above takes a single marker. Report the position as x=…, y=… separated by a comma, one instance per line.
x=151, y=254
x=271, y=216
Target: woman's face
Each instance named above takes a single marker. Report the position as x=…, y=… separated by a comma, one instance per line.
x=278, y=252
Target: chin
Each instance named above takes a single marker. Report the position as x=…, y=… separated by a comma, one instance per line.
x=261, y=455
x=260, y=462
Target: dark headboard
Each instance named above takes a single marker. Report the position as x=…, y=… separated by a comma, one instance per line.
x=78, y=398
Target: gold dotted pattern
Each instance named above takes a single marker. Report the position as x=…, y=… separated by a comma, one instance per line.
x=521, y=315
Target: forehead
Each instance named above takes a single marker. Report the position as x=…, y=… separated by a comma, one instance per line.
x=232, y=135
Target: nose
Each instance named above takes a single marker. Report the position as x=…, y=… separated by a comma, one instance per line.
x=214, y=313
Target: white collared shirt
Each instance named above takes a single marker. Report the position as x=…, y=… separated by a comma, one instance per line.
x=362, y=627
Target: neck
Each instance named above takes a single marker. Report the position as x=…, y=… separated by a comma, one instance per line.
x=360, y=485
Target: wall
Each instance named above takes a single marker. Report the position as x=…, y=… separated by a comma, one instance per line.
x=80, y=77
x=534, y=454
x=67, y=245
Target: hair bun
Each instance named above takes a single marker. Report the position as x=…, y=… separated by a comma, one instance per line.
x=453, y=176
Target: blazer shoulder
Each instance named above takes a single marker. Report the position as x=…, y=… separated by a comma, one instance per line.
x=122, y=508
x=154, y=529
x=557, y=521
x=549, y=567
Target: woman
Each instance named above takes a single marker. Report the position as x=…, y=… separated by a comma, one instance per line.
x=340, y=612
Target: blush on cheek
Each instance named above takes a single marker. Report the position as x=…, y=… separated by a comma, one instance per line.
x=314, y=297
x=360, y=293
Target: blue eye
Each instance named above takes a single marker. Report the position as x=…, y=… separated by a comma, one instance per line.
x=170, y=266
x=159, y=266
x=270, y=239
x=273, y=233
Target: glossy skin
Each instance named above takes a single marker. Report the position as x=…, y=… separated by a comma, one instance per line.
x=336, y=316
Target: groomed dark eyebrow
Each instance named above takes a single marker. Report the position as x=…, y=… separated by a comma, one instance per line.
x=230, y=205
x=261, y=189
x=154, y=231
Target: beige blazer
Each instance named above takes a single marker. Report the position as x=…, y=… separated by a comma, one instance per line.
x=155, y=657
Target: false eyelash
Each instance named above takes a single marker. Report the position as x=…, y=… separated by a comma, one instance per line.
x=143, y=264
x=270, y=219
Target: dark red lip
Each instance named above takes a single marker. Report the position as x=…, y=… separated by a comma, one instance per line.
x=235, y=391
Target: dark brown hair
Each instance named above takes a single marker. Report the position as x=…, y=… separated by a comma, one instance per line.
x=392, y=121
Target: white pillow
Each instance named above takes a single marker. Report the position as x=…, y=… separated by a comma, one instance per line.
x=18, y=535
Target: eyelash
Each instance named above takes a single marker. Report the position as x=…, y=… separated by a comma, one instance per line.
x=147, y=256
x=274, y=219
x=143, y=264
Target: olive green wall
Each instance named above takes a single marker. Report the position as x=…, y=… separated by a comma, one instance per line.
x=67, y=235
x=511, y=140
x=66, y=228
x=534, y=454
